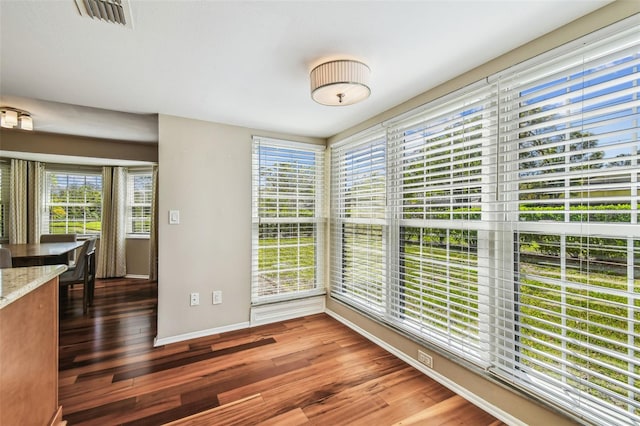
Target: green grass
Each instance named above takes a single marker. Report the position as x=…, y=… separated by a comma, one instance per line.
x=287, y=265
x=76, y=227
x=595, y=320
x=440, y=290
x=444, y=297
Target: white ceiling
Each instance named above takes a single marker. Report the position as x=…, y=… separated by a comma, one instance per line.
x=247, y=63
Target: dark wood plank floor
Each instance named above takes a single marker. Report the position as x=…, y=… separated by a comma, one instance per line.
x=311, y=370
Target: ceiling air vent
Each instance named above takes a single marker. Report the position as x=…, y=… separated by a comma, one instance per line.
x=110, y=11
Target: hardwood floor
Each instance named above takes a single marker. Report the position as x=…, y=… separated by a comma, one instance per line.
x=311, y=370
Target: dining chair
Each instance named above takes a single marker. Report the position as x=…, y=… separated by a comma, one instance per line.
x=5, y=258
x=61, y=238
x=84, y=272
x=58, y=238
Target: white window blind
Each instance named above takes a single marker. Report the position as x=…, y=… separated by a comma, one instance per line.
x=288, y=219
x=139, y=194
x=441, y=193
x=358, y=222
x=571, y=187
x=73, y=202
x=510, y=235
x=5, y=178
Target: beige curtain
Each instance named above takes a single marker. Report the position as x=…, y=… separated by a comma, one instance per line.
x=35, y=191
x=25, y=201
x=18, y=202
x=153, y=235
x=112, y=260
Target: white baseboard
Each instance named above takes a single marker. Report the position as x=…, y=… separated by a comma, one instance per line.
x=469, y=396
x=142, y=277
x=201, y=333
x=280, y=311
x=264, y=314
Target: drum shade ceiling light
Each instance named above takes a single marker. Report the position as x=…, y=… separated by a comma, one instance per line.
x=339, y=83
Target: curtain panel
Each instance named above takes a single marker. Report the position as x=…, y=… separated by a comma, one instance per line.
x=18, y=202
x=35, y=178
x=153, y=236
x=25, y=201
x=112, y=261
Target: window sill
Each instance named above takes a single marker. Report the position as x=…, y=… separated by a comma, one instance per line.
x=137, y=236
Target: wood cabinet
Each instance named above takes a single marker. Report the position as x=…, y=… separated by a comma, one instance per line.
x=29, y=358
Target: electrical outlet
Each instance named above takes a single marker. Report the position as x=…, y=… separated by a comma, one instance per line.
x=217, y=297
x=195, y=299
x=425, y=358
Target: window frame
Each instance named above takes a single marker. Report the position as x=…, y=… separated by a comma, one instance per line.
x=132, y=174
x=84, y=172
x=359, y=222
x=269, y=156
x=571, y=221
x=502, y=326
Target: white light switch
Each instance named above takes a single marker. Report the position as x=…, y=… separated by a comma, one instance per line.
x=174, y=217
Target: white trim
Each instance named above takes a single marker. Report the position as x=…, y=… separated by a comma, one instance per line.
x=281, y=143
x=202, y=333
x=260, y=315
x=435, y=104
x=279, y=298
x=453, y=386
x=137, y=276
x=281, y=311
x=138, y=236
x=611, y=30
x=372, y=132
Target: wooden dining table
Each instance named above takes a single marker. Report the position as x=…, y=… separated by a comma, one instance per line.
x=42, y=253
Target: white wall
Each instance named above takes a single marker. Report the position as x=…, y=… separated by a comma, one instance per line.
x=205, y=172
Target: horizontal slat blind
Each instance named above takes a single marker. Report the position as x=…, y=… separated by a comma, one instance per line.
x=571, y=138
x=510, y=235
x=358, y=225
x=442, y=168
x=287, y=219
x=139, y=197
x=73, y=202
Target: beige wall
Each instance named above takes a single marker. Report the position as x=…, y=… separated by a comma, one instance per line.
x=51, y=143
x=205, y=172
x=509, y=401
x=137, y=256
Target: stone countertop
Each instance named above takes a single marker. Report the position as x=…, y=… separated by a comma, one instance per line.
x=16, y=282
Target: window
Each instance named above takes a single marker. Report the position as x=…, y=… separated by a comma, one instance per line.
x=358, y=222
x=572, y=126
x=139, y=194
x=510, y=232
x=72, y=202
x=442, y=169
x=5, y=171
x=287, y=219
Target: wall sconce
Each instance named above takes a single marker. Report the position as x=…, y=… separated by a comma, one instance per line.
x=11, y=118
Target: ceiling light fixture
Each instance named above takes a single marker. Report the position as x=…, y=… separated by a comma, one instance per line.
x=11, y=118
x=26, y=122
x=339, y=83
